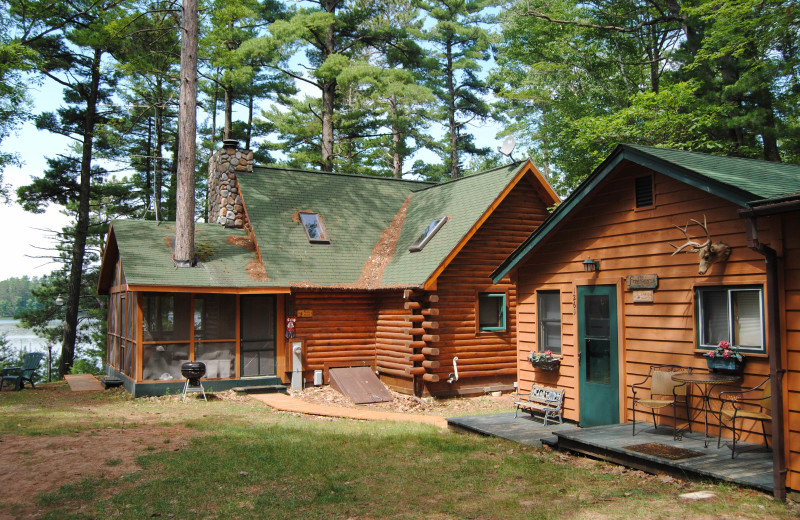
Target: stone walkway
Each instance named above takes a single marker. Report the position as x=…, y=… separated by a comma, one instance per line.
x=285, y=403
x=83, y=383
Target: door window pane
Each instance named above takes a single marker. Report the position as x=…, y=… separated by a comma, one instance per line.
x=597, y=315
x=598, y=362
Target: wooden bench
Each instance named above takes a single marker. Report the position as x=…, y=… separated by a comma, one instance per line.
x=543, y=400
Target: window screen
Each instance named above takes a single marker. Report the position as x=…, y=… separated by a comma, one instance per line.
x=733, y=314
x=549, y=317
x=492, y=311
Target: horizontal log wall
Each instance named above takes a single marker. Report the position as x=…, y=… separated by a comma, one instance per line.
x=342, y=328
x=484, y=358
x=393, y=342
x=628, y=241
x=791, y=342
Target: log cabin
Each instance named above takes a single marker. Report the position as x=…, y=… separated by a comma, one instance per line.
x=608, y=284
x=299, y=271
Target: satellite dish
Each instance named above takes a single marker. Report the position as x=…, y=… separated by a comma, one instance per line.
x=508, y=146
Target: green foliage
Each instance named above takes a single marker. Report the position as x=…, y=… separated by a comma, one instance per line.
x=576, y=79
x=460, y=50
x=16, y=295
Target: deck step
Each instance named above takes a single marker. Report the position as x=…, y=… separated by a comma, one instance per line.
x=261, y=389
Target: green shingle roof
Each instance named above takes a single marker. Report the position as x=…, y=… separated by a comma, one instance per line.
x=144, y=247
x=359, y=214
x=756, y=179
x=740, y=181
x=354, y=209
x=464, y=201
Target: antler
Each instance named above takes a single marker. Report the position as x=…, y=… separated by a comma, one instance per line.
x=696, y=246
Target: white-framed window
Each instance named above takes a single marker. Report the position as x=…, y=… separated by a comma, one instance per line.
x=548, y=313
x=427, y=234
x=491, y=311
x=315, y=229
x=731, y=313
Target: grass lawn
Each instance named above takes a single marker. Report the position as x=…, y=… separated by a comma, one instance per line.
x=241, y=460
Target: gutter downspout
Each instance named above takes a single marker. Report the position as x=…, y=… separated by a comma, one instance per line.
x=776, y=370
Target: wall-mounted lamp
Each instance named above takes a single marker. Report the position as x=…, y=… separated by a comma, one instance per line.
x=591, y=266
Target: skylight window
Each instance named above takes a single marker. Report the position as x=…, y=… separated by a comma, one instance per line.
x=315, y=229
x=427, y=235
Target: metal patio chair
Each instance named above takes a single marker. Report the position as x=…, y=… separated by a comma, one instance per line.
x=753, y=404
x=663, y=392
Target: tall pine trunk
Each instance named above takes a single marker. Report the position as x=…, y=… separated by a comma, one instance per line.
x=452, y=125
x=187, y=131
x=82, y=224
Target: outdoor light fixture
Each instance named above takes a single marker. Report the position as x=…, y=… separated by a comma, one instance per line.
x=591, y=266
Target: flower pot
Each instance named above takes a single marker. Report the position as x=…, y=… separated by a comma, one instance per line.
x=551, y=364
x=729, y=365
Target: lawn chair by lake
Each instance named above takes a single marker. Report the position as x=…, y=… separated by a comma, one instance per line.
x=30, y=363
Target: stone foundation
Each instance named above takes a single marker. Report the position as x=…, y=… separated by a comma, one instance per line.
x=224, y=200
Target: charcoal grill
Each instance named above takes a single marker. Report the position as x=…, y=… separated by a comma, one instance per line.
x=193, y=371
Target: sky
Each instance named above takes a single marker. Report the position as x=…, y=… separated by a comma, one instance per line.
x=27, y=236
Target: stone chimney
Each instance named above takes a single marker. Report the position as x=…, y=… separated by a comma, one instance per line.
x=224, y=200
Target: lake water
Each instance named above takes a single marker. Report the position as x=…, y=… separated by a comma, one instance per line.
x=21, y=338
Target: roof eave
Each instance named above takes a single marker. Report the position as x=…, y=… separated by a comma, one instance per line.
x=621, y=152
x=524, y=169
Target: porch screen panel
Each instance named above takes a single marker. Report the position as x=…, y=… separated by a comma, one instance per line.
x=258, y=335
x=129, y=333
x=214, y=316
x=165, y=317
x=219, y=358
x=163, y=362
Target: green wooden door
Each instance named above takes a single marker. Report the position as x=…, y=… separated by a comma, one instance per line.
x=598, y=355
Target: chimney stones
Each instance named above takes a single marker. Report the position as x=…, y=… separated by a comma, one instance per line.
x=224, y=200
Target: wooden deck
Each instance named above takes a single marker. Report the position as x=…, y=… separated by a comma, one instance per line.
x=750, y=468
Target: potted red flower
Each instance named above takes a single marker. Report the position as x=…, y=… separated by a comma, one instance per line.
x=725, y=359
x=544, y=360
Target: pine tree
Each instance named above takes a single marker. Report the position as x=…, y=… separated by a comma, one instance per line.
x=461, y=49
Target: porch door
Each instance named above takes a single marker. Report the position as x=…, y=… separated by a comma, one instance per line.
x=258, y=335
x=598, y=355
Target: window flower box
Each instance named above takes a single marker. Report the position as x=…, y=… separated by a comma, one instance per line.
x=544, y=361
x=725, y=359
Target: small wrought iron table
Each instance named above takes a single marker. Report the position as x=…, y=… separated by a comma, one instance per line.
x=705, y=382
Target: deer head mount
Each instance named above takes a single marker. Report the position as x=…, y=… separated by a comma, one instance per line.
x=708, y=252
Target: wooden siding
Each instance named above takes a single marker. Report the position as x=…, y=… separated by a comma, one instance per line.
x=634, y=241
x=340, y=332
x=790, y=339
x=484, y=357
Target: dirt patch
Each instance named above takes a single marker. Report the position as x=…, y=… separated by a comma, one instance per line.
x=325, y=395
x=45, y=463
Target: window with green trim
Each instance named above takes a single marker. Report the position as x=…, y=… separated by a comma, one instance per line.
x=731, y=313
x=491, y=311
